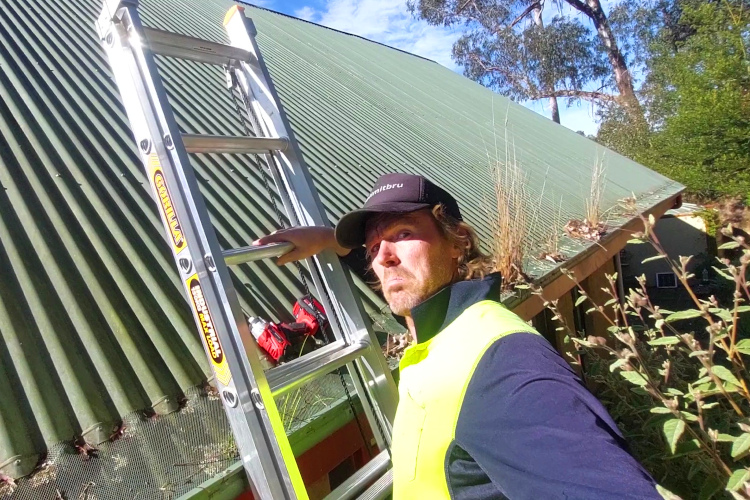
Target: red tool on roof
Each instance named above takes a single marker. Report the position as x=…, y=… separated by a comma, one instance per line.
x=277, y=338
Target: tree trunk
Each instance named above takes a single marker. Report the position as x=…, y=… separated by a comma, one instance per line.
x=623, y=79
x=552, y=100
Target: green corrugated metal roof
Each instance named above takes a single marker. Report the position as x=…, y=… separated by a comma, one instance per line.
x=93, y=323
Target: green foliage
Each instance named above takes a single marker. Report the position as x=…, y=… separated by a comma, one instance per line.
x=712, y=220
x=507, y=47
x=696, y=95
x=680, y=393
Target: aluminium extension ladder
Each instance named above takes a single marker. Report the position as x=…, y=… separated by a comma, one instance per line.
x=247, y=392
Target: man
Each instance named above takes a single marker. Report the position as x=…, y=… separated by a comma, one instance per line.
x=488, y=409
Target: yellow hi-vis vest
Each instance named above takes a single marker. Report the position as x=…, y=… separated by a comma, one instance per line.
x=434, y=376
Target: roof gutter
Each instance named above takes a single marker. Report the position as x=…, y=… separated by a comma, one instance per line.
x=555, y=284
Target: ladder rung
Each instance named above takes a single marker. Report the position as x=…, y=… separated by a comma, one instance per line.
x=377, y=468
x=201, y=143
x=381, y=489
x=241, y=255
x=187, y=47
x=296, y=373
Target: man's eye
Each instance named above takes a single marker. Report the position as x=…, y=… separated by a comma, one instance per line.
x=374, y=250
x=404, y=234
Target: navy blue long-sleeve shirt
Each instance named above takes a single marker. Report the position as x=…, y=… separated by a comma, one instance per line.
x=528, y=428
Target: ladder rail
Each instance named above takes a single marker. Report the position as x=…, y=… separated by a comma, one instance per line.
x=305, y=208
x=235, y=358
x=215, y=305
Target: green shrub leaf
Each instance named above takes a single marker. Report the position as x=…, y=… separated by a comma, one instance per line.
x=729, y=245
x=635, y=242
x=738, y=479
x=660, y=409
x=651, y=259
x=741, y=445
x=724, y=374
x=726, y=438
x=614, y=366
x=689, y=416
x=634, y=378
x=722, y=313
x=689, y=447
x=673, y=430
x=743, y=309
x=743, y=346
x=580, y=300
x=723, y=274
x=665, y=341
x=686, y=314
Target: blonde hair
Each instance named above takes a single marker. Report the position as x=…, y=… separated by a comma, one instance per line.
x=472, y=263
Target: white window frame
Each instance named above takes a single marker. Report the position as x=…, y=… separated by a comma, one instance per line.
x=659, y=285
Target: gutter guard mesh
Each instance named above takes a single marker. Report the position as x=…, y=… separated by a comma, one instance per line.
x=155, y=457
x=164, y=456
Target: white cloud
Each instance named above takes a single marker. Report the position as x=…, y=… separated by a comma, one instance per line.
x=307, y=13
x=388, y=22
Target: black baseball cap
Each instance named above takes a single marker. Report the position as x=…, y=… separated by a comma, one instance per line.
x=393, y=193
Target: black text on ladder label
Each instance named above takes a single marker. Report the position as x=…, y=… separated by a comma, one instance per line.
x=165, y=203
x=209, y=335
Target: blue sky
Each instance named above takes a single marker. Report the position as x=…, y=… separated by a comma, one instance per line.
x=389, y=22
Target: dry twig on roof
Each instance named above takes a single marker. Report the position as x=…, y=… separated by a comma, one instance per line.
x=84, y=449
x=553, y=257
x=7, y=484
x=585, y=229
x=629, y=206
x=396, y=344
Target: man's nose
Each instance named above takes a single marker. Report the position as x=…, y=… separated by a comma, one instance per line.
x=386, y=256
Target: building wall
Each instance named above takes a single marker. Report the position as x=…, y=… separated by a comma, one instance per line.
x=575, y=317
x=681, y=235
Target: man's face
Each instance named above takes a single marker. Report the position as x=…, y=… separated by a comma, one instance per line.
x=411, y=258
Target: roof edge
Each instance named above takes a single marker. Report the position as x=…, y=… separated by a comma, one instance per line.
x=336, y=30
x=555, y=283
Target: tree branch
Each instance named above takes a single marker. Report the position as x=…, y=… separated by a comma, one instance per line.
x=525, y=13
x=466, y=4
x=580, y=6
x=578, y=94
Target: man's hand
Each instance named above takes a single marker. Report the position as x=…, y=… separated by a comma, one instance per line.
x=307, y=242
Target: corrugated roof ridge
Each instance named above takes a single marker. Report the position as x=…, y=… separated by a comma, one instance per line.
x=336, y=30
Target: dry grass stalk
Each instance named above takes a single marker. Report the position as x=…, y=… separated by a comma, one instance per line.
x=591, y=227
x=551, y=247
x=509, y=221
x=594, y=200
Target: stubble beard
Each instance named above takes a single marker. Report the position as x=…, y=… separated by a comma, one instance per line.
x=412, y=291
